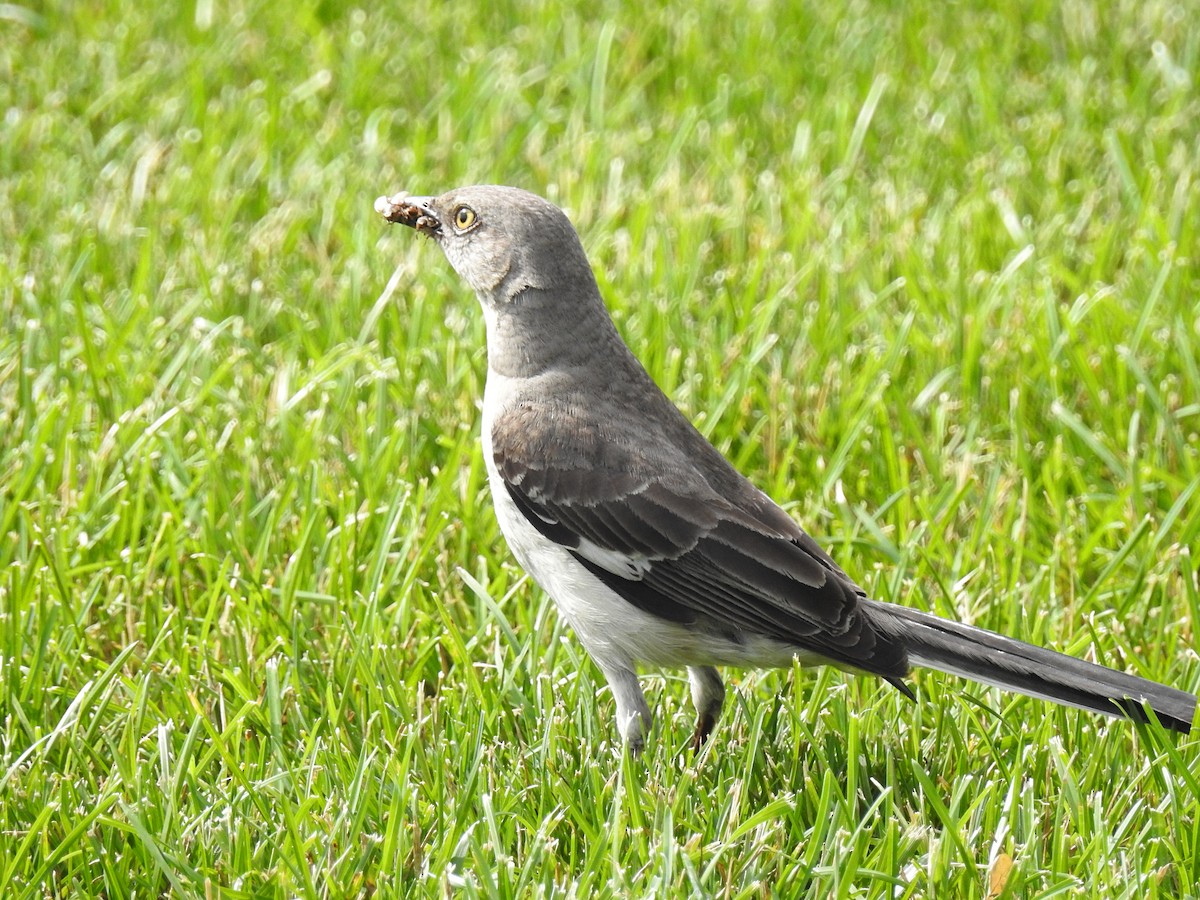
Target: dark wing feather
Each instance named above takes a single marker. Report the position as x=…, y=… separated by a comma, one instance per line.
x=744, y=568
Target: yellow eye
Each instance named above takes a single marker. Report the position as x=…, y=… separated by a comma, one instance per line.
x=464, y=218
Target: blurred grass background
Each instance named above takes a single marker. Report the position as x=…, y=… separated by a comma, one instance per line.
x=926, y=272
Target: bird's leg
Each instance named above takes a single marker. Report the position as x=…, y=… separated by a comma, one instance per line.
x=708, y=696
x=633, y=715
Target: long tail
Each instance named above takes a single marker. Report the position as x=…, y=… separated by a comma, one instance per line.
x=995, y=660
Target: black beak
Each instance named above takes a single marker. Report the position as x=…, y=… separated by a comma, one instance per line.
x=415, y=212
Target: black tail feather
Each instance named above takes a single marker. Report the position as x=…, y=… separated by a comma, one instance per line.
x=995, y=660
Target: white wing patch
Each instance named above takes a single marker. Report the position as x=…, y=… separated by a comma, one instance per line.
x=633, y=568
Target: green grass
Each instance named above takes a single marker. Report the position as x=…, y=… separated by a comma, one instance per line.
x=928, y=273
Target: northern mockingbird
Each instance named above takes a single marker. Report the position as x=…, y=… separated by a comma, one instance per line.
x=653, y=547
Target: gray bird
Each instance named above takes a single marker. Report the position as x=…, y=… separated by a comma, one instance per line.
x=655, y=550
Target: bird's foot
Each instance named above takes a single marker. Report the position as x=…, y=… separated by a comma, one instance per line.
x=704, y=727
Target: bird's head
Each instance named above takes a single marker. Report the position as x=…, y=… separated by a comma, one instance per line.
x=501, y=240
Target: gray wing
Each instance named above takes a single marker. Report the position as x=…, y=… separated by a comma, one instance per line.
x=689, y=554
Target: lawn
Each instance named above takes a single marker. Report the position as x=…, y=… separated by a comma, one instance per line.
x=928, y=273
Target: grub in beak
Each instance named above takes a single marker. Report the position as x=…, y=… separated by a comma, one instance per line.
x=415, y=212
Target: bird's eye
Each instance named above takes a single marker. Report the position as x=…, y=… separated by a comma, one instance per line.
x=464, y=218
